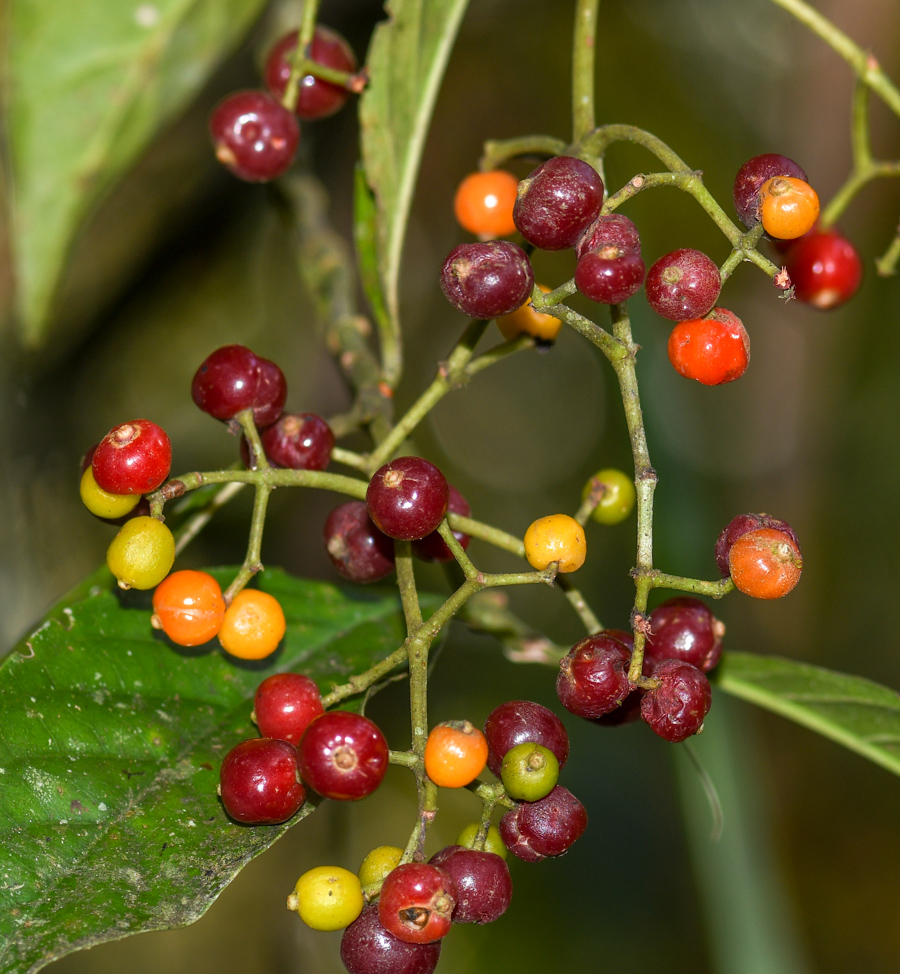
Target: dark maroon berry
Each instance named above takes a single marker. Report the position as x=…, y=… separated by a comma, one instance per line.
x=357, y=549
x=133, y=458
x=593, y=678
x=750, y=178
x=610, y=230
x=487, y=280
x=316, y=98
x=520, y=722
x=367, y=948
x=825, y=268
x=483, y=885
x=684, y=628
x=676, y=708
x=259, y=782
x=285, y=704
x=271, y=393
x=682, y=285
x=407, y=498
x=432, y=546
x=298, y=441
x=627, y=713
x=535, y=830
x=343, y=756
x=255, y=136
x=416, y=902
x=609, y=279
x=744, y=524
x=558, y=202
x=227, y=381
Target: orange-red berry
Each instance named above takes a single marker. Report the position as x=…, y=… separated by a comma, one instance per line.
x=455, y=754
x=712, y=350
x=188, y=607
x=484, y=202
x=765, y=564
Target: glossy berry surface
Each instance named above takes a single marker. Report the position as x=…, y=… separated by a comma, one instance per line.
x=455, y=754
x=378, y=863
x=750, y=178
x=254, y=135
x=825, y=269
x=676, y=708
x=133, y=458
x=615, y=494
x=259, y=782
x=367, y=948
x=416, y=902
x=271, y=393
x=102, y=503
x=298, y=441
x=556, y=538
x=492, y=841
x=520, y=721
x=253, y=626
x=684, y=628
x=529, y=772
x=484, y=202
x=713, y=350
x=765, y=564
x=609, y=276
x=285, y=704
x=357, y=549
x=343, y=756
x=141, y=554
x=683, y=284
x=487, y=280
x=557, y=202
x=327, y=898
x=482, y=881
x=609, y=231
x=743, y=524
x=593, y=676
x=432, y=547
x=232, y=379
x=407, y=498
x=527, y=321
x=789, y=207
x=316, y=98
x=188, y=607
x=536, y=830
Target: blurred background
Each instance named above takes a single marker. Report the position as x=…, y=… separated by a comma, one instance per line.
x=181, y=258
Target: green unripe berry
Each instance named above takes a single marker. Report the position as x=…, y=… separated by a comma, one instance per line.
x=378, y=863
x=617, y=495
x=142, y=553
x=100, y=502
x=327, y=898
x=493, y=842
x=529, y=772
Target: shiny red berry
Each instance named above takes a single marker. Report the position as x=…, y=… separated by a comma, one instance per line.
x=285, y=704
x=713, y=350
x=743, y=524
x=133, y=458
x=367, y=948
x=357, y=549
x=407, y=498
x=259, y=782
x=271, y=393
x=519, y=722
x=750, y=178
x=613, y=230
x=825, y=269
x=536, y=830
x=432, y=546
x=557, y=202
x=482, y=881
x=487, y=280
x=684, y=628
x=593, y=677
x=297, y=441
x=683, y=284
x=254, y=135
x=609, y=276
x=343, y=756
x=676, y=708
x=232, y=379
x=416, y=902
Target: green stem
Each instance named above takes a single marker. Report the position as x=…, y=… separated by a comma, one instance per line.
x=716, y=590
x=497, y=152
x=300, y=64
x=362, y=681
x=406, y=582
x=887, y=264
x=252, y=560
x=591, y=623
x=583, y=50
x=488, y=533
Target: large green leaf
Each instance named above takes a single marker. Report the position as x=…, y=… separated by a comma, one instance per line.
x=110, y=744
x=857, y=713
x=406, y=62
x=89, y=84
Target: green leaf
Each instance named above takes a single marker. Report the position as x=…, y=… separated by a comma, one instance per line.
x=406, y=62
x=110, y=745
x=89, y=85
x=857, y=713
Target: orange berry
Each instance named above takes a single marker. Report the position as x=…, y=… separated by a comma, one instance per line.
x=455, y=754
x=484, y=203
x=188, y=607
x=765, y=564
x=253, y=625
x=555, y=538
x=788, y=208
x=527, y=321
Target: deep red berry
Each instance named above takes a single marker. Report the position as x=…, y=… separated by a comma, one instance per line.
x=750, y=179
x=343, y=756
x=133, y=458
x=593, y=677
x=416, y=902
x=259, y=782
x=684, y=628
x=285, y=704
x=254, y=135
x=713, y=350
x=765, y=564
x=482, y=881
x=432, y=546
x=487, y=280
x=521, y=721
x=357, y=549
x=743, y=524
x=609, y=276
x=609, y=230
x=271, y=393
x=367, y=948
x=535, y=830
x=297, y=441
x=676, y=708
x=824, y=268
x=316, y=98
x=557, y=202
x=683, y=284
x=407, y=498
x=627, y=713
x=232, y=379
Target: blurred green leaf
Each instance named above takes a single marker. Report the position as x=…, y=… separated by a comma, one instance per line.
x=110, y=744
x=406, y=62
x=850, y=710
x=89, y=85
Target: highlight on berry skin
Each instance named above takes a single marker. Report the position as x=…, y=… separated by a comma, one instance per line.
x=484, y=202
x=557, y=538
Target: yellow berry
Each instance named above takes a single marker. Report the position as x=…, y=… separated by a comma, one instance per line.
x=327, y=898
x=100, y=502
x=527, y=321
x=378, y=863
x=253, y=626
x=617, y=495
x=142, y=553
x=555, y=538
x=493, y=842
